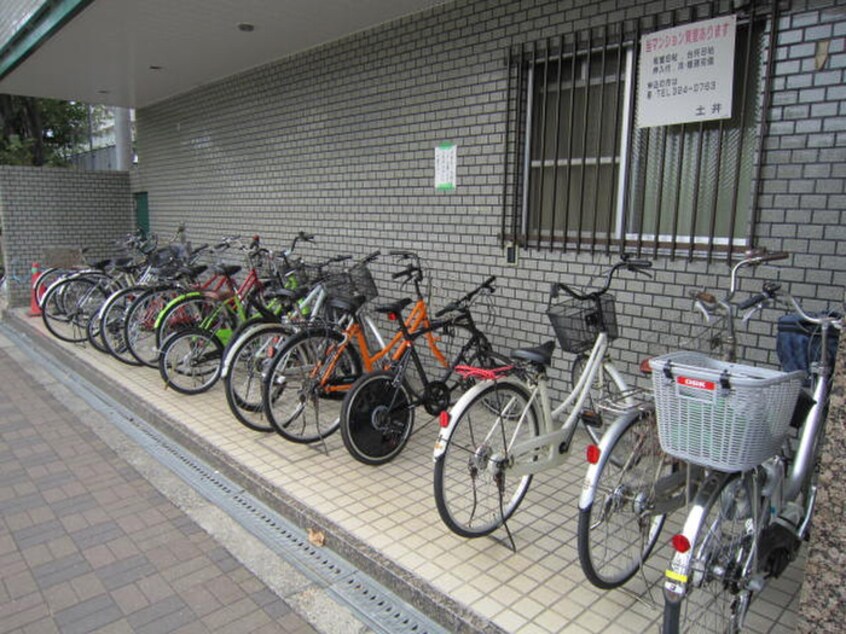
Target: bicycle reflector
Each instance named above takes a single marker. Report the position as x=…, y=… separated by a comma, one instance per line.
x=680, y=543
x=392, y=317
x=444, y=418
x=592, y=454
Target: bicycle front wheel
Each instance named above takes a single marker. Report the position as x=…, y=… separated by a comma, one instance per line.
x=306, y=383
x=377, y=418
x=139, y=331
x=618, y=529
x=251, y=357
x=112, y=321
x=474, y=492
x=606, y=385
x=190, y=361
x=718, y=593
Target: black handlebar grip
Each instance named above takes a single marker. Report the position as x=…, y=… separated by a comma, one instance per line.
x=489, y=281
x=639, y=264
x=373, y=256
x=446, y=309
x=407, y=271
x=751, y=301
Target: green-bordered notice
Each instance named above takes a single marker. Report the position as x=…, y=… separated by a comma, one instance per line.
x=446, y=158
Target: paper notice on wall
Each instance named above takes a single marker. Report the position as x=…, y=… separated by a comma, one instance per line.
x=446, y=159
x=686, y=73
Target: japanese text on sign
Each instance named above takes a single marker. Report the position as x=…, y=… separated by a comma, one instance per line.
x=686, y=73
x=446, y=160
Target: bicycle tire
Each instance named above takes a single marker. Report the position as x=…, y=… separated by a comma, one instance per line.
x=377, y=418
x=68, y=306
x=292, y=394
x=604, y=386
x=190, y=361
x=44, y=280
x=112, y=323
x=474, y=496
x=616, y=532
x=251, y=355
x=140, y=323
x=92, y=331
x=717, y=597
x=189, y=312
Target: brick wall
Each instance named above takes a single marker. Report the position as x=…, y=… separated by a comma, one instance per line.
x=340, y=141
x=48, y=208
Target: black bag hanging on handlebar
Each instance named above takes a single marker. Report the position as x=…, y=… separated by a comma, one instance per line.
x=798, y=343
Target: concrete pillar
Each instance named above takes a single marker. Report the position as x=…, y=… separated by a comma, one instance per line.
x=123, y=139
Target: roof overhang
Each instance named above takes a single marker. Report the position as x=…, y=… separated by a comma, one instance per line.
x=135, y=53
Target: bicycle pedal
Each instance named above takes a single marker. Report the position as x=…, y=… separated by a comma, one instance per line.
x=591, y=418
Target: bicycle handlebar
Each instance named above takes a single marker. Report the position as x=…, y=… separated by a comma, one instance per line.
x=635, y=266
x=370, y=258
x=461, y=303
x=407, y=272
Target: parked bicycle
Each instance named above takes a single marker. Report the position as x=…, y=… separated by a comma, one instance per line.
x=248, y=358
x=377, y=415
x=503, y=430
x=758, y=452
x=305, y=385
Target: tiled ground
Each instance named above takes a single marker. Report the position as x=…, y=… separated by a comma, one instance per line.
x=539, y=589
x=88, y=545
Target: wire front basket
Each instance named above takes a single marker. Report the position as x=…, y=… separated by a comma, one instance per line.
x=362, y=281
x=720, y=415
x=578, y=322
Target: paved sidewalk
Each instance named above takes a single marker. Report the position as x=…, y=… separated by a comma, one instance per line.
x=89, y=545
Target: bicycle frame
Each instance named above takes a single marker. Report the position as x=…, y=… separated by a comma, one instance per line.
x=550, y=448
x=354, y=333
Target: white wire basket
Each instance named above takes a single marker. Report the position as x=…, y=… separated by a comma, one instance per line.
x=719, y=415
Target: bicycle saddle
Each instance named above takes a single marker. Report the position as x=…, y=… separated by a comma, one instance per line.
x=227, y=269
x=394, y=307
x=286, y=293
x=347, y=304
x=541, y=355
x=125, y=263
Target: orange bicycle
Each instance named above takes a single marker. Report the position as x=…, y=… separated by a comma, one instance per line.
x=305, y=385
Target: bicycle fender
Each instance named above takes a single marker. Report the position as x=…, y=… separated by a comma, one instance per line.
x=677, y=574
x=457, y=410
x=615, y=430
x=232, y=350
x=172, y=303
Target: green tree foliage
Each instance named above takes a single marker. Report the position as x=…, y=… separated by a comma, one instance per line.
x=40, y=131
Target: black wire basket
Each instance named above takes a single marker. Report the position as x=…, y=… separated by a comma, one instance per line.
x=577, y=322
x=362, y=282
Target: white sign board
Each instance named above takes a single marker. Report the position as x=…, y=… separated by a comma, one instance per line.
x=446, y=159
x=686, y=73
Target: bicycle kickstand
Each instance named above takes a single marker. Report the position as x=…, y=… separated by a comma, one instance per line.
x=499, y=478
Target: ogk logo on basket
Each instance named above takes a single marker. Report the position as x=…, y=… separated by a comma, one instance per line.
x=697, y=383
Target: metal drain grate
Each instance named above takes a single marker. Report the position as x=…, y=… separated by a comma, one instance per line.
x=379, y=608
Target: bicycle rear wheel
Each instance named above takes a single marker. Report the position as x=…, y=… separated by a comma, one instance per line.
x=69, y=305
x=473, y=490
x=377, y=418
x=718, y=593
x=190, y=361
x=618, y=529
x=303, y=391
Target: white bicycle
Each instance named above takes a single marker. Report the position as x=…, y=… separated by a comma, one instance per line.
x=503, y=430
